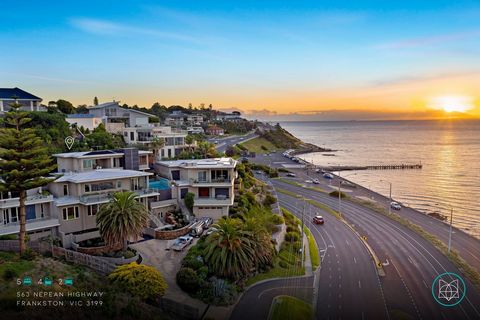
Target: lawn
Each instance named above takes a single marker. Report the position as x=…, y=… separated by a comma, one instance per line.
x=11, y=261
x=255, y=145
x=313, y=248
x=290, y=308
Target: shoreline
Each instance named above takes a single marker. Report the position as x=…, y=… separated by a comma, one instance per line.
x=434, y=215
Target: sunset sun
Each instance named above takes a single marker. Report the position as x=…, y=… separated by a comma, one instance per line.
x=452, y=103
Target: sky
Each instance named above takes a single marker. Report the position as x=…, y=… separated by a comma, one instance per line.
x=274, y=59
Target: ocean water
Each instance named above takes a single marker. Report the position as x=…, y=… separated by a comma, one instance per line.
x=448, y=150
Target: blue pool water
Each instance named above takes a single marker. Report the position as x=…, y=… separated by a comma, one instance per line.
x=162, y=184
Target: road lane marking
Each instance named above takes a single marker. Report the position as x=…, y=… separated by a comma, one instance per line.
x=359, y=284
x=354, y=260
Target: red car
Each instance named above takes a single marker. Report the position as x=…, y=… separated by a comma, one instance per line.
x=318, y=220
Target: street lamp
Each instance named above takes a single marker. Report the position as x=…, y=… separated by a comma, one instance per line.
x=390, y=204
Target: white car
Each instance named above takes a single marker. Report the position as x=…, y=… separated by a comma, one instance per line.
x=328, y=175
x=308, y=181
x=290, y=174
x=395, y=205
x=181, y=242
x=316, y=181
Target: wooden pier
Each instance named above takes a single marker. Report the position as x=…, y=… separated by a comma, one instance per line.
x=402, y=166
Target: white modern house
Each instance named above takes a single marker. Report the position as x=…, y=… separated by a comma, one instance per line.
x=89, y=179
x=28, y=101
x=117, y=118
x=210, y=180
x=87, y=121
x=147, y=135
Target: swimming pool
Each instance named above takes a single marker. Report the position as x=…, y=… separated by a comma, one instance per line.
x=161, y=184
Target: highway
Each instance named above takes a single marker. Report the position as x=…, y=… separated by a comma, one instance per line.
x=413, y=263
x=348, y=286
x=223, y=143
x=410, y=262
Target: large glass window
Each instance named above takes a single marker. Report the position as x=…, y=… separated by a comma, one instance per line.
x=202, y=176
x=88, y=164
x=70, y=213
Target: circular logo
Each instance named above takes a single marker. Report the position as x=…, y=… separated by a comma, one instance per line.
x=448, y=289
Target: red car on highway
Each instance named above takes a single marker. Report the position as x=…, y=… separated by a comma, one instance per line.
x=318, y=220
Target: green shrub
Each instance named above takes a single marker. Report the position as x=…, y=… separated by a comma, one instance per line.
x=277, y=219
x=9, y=274
x=189, y=200
x=283, y=264
x=264, y=148
x=292, y=236
x=188, y=280
x=129, y=254
x=141, y=281
x=269, y=200
x=28, y=254
x=192, y=262
x=8, y=237
x=335, y=194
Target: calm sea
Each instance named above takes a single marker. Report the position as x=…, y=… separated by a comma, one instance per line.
x=449, y=151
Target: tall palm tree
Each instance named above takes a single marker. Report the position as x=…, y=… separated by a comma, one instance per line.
x=189, y=140
x=229, y=251
x=261, y=239
x=122, y=218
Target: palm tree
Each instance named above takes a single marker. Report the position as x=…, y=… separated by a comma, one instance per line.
x=207, y=149
x=157, y=144
x=122, y=218
x=261, y=239
x=229, y=251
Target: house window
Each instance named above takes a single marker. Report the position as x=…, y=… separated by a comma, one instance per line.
x=70, y=213
x=93, y=209
x=14, y=214
x=119, y=184
x=132, y=136
x=204, y=192
x=42, y=211
x=65, y=189
x=202, y=176
x=87, y=164
x=87, y=188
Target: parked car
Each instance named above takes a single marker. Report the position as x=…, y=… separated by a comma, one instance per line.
x=316, y=181
x=318, y=220
x=207, y=222
x=290, y=174
x=181, y=242
x=328, y=175
x=210, y=231
x=196, y=230
x=308, y=181
x=259, y=172
x=318, y=170
x=395, y=205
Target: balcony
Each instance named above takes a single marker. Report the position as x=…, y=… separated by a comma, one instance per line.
x=147, y=192
x=31, y=225
x=219, y=201
x=96, y=198
x=32, y=199
x=214, y=182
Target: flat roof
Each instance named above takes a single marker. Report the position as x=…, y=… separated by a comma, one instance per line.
x=100, y=175
x=200, y=163
x=80, y=115
x=96, y=154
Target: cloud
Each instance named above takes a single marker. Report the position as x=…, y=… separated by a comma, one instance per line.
x=104, y=27
x=429, y=41
x=349, y=115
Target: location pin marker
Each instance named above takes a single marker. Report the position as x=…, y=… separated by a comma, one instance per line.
x=69, y=141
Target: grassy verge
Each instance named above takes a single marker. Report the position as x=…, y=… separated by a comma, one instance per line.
x=287, y=307
x=453, y=255
x=288, y=193
x=255, y=145
x=325, y=208
x=313, y=249
x=293, y=183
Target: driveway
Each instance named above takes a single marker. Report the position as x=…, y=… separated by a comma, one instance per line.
x=168, y=263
